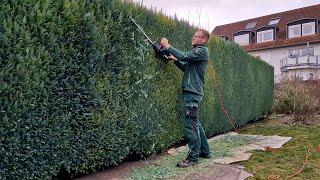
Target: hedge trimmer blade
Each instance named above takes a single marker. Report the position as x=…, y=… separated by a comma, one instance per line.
x=142, y=31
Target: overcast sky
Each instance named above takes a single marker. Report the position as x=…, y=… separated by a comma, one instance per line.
x=218, y=12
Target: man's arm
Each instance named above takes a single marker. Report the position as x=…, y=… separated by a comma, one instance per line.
x=180, y=64
x=196, y=55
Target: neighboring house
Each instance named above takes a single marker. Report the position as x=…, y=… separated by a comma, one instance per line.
x=289, y=41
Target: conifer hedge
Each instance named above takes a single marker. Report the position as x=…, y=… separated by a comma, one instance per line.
x=80, y=90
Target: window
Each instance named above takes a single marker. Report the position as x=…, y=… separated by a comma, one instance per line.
x=294, y=53
x=295, y=31
x=274, y=21
x=251, y=25
x=308, y=28
x=302, y=28
x=263, y=36
x=242, y=39
x=311, y=51
x=301, y=52
x=304, y=52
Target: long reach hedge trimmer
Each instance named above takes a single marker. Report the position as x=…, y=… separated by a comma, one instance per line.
x=155, y=45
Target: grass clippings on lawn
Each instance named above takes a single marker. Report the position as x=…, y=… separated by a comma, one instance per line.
x=166, y=167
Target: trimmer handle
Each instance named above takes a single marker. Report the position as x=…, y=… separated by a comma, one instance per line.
x=160, y=51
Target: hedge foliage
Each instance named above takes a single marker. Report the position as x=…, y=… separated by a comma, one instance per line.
x=80, y=90
x=245, y=85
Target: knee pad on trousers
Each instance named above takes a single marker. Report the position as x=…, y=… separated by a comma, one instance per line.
x=192, y=112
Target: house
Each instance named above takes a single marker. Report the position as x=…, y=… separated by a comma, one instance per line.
x=289, y=41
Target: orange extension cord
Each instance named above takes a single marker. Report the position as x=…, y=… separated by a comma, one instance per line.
x=298, y=171
x=212, y=73
x=304, y=164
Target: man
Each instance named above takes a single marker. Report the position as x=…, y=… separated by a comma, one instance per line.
x=193, y=64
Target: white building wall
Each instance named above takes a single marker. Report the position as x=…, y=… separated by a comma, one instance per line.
x=274, y=56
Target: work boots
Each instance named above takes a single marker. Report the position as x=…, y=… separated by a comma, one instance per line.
x=203, y=155
x=186, y=163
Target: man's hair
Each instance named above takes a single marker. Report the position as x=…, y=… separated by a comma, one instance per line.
x=205, y=34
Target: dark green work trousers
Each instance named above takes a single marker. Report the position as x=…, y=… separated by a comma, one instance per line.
x=195, y=135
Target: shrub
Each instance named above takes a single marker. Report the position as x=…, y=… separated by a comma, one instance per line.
x=293, y=96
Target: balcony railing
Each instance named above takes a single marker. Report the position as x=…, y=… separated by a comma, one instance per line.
x=300, y=62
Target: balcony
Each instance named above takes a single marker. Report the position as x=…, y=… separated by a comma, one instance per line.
x=302, y=62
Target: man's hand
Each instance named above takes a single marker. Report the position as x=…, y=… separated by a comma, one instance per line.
x=165, y=43
x=171, y=58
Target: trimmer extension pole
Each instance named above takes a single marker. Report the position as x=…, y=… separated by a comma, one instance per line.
x=141, y=30
x=163, y=53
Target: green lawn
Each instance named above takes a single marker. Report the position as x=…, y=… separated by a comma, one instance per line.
x=282, y=163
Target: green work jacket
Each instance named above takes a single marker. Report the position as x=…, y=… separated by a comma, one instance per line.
x=193, y=64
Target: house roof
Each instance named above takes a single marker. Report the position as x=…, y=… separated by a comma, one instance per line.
x=312, y=12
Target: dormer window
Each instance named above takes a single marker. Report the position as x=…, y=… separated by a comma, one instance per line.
x=263, y=36
x=266, y=33
x=251, y=25
x=274, y=22
x=294, y=31
x=242, y=39
x=308, y=28
x=302, y=27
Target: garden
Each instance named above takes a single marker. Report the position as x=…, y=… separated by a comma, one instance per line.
x=81, y=91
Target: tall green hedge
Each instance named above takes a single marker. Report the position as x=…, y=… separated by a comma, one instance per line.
x=244, y=83
x=80, y=90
